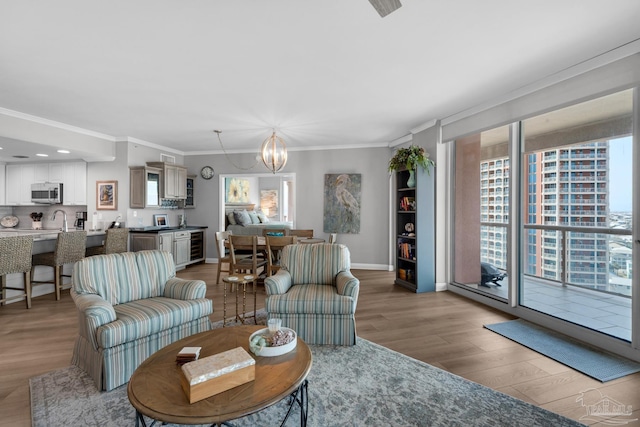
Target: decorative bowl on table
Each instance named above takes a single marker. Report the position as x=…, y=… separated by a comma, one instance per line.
x=271, y=351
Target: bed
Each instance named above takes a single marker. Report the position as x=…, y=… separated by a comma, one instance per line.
x=255, y=225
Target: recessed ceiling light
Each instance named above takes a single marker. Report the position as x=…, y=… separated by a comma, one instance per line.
x=42, y=155
x=64, y=151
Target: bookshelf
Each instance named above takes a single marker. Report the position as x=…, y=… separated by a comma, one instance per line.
x=415, y=232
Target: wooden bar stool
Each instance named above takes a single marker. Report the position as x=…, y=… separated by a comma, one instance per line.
x=70, y=247
x=15, y=257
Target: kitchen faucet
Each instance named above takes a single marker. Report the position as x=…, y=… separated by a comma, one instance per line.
x=65, y=227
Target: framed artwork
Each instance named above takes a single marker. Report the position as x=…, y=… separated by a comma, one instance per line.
x=236, y=190
x=107, y=195
x=269, y=203
x=342, y=194
x=161, y=220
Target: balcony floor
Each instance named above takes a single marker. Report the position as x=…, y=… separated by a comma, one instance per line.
x=606, y=313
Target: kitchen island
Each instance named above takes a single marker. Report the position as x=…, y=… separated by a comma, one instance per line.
x=44, y=241
x=187, y=244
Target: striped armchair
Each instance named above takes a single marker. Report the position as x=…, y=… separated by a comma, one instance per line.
x=315, y=294
x=130, y=305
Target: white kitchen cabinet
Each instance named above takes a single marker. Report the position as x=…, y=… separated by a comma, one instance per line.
x=3, y=190
x=19, y=177
x=74, y=180
x=165, y=242
x=56, y=173
x=18, y=183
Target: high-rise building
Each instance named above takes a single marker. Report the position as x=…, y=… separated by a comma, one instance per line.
x=568, y=187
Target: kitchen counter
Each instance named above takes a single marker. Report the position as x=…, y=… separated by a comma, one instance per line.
x=39, y=235
x=153, y=229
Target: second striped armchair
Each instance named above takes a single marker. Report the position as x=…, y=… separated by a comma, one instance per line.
x=314, y=293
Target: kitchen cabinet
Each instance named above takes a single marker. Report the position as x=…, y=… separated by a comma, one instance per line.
x=18, y=183
x=174, y=180
x=186, y=246
x=190, y=201
x=3, y=192
x=74, y=179
x=19, y=177
x=144, y=187
x=181, y=248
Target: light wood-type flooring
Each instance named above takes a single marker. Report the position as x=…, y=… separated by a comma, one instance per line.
x=441, y=328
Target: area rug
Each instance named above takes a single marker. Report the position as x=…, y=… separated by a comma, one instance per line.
x=589, y=360
x=363, y=385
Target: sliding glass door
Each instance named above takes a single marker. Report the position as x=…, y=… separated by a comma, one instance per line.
x=577, y=214
x=573, y=255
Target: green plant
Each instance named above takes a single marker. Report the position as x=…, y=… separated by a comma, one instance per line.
x=410, y=158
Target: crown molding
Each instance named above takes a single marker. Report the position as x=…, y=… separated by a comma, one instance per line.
x=133, y=140
x=401, y=140
x=431, y=123
x=53, y=123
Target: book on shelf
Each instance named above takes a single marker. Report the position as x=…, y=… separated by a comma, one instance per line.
x=407, y=203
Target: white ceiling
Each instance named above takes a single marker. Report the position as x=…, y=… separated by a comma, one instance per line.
x=323, y=73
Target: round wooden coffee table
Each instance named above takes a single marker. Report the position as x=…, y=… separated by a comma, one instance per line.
x=154, y=389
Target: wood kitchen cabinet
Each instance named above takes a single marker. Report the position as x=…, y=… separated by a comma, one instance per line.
x=174, y=180
x=144, y=187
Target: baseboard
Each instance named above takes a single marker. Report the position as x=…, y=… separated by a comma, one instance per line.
x=359, y=266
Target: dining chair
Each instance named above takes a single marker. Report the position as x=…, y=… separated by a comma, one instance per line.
x=15, y=257
x=304, y=234
x=115, y=242
x=275, y=244
x=70, y=247
x=245, y=264
x=223, y=257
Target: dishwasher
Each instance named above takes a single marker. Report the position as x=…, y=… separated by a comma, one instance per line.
x=182, y=247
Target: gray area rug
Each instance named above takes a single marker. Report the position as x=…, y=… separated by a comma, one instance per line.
x=589, y=360
x=363, y=385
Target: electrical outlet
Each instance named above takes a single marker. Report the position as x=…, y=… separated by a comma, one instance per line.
x=135, y=214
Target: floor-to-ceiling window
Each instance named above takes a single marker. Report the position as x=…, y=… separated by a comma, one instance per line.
x=577, y=191
x=482, y=181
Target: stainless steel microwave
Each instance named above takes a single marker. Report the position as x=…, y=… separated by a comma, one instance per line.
x=49, y=193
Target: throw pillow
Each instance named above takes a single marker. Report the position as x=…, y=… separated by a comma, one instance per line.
x=275, y=233
x=231, y=218
x=254, y=217
x=263, y=218
x=242, y=217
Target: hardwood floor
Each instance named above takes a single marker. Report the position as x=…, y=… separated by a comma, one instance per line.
x=443, y=329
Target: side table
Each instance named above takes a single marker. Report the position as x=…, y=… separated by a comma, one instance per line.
x=239, y=280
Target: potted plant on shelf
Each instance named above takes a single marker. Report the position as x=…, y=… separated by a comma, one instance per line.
x=410, y=158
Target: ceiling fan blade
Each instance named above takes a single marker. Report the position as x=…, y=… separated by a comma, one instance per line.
x=385, y=7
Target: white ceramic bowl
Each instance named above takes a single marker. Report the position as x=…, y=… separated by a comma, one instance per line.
x=274, y=351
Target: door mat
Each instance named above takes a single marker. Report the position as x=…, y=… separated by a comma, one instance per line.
x=590, y=361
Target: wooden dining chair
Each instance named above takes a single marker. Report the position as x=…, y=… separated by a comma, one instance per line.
x=303, y=234
x=245, y=264
x=275, y=244
x=223, y=256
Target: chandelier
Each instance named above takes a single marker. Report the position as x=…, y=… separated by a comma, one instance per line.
x=274, y=153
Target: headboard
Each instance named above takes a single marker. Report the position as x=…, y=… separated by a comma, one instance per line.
x=230, y=207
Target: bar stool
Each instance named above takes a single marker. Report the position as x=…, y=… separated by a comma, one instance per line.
x=70, y=247
x=15, y=257
x=115, y=242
